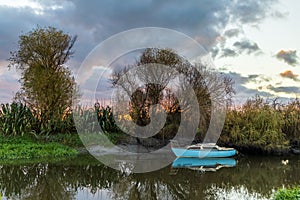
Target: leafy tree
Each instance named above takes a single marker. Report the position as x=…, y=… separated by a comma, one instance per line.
x=47, y=84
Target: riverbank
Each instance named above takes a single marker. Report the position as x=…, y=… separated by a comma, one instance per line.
x=278, y=150
x=61, y=146
x=154, y=143
x=28, y=148
x=260, y=127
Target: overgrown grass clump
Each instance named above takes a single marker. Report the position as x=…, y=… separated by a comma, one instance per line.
x=288, y=194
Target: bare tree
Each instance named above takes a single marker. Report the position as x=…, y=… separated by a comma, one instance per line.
x=149, y=85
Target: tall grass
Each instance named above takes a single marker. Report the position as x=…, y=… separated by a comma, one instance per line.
x=256, y=124
x=16, y=119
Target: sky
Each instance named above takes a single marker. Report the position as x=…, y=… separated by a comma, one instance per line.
x=256, y=43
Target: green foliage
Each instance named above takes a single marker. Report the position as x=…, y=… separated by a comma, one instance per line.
x=16, y=119
x=288, y=194
x=256, y=124
x=106, y=119
x=291, y=115
x=89, y=119
x=47, y=85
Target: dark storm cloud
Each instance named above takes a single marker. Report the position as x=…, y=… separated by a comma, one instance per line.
x=199, y=19
x=94, y=21
x=195, y=18
x=290, y=56
x=246, y=46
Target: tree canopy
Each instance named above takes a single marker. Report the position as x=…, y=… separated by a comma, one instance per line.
x=47, y=84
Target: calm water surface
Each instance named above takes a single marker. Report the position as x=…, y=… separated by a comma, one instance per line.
x=85, y=178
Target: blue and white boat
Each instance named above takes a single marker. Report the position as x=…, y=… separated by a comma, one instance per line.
x=203, y=150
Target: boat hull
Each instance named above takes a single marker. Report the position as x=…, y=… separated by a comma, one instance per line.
x=212, y=153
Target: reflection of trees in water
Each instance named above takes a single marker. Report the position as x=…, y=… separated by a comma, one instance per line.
x=49, y=185
x=54, y=181
x=63, y=180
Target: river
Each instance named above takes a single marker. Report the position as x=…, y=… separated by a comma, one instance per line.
x=84, y=177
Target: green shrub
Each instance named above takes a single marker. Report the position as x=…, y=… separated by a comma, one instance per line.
x=256, y=123
x=291, y=115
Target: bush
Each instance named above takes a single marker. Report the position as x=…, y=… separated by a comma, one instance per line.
x=291, y=126
x=256, y=123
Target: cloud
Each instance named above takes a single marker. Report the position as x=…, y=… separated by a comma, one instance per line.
x=285, y=89
x=252, y=12
x=289, y=56
x=246, y=46
x=253, y=76
x=289, y=74
x=8, y=84
x=232, y=33
x=214, y=51
x=244, y=93
x=226, y=52
x=95, y=21
x=203, y=19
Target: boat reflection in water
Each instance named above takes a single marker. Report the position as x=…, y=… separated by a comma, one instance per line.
x=203, y=164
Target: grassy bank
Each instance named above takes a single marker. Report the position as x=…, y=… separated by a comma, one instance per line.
x=20, y=148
